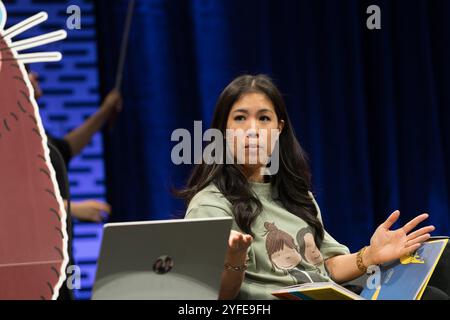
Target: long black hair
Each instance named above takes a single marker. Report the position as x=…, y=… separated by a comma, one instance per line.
x=292, y=181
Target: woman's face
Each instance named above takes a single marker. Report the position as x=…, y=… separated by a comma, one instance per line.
x=252, y=129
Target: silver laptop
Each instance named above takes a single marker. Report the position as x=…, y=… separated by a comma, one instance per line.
x=162, y=260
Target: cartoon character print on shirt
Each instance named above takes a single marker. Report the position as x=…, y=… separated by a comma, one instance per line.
x=284, y=254
x=309, y=250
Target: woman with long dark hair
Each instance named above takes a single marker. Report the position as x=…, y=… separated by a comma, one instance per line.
x=266, y=188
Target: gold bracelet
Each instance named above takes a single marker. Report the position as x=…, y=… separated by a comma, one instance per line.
x=359, y=260
x=238, y=268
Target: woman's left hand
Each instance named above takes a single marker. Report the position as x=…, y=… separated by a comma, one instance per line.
x=387, y=245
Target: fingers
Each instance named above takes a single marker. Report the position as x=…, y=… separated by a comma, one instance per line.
x=239, y=241
x=104, y=207
x=411, y=249
x=391, y=220
x=104, y=212
x=100, y=206
x=94, y=215
x=418, y=240
x=97, y=211
x=420, y=232
x=234, y=238
x=414, y=244
x=97, y=217
x=414, y=222
x=247, y=240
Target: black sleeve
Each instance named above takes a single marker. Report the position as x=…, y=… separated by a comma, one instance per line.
x=63, y=147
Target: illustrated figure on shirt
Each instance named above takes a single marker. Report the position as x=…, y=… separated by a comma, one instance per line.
x=284, y=254
x=308, y=248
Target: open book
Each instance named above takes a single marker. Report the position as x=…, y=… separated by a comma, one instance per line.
x=316, y=291
x=403, y=279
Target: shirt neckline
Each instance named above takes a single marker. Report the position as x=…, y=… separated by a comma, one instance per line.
x=262, y=188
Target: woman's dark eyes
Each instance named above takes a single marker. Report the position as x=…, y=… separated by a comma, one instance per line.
x=262, y=118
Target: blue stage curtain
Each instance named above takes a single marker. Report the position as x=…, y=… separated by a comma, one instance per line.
x=371, y=107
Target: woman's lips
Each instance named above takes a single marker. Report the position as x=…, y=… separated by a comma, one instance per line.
x=252, y=146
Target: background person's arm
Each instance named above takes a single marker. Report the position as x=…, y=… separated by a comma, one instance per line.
x=81, y=136
x=89, y=210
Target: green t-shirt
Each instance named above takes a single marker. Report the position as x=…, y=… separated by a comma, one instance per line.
x=283, y=251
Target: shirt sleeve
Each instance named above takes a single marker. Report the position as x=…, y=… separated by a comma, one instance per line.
x=330, y=247
x=206, y=211
x=210, y=204
x=63, y=147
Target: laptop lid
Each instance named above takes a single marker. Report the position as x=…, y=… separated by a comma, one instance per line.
x=162, y=260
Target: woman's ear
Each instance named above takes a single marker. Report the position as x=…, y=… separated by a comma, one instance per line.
x=281, y=125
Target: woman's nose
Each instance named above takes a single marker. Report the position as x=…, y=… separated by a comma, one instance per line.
x=252, y=130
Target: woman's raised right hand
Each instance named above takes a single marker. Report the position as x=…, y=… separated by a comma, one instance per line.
x=238, y=243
